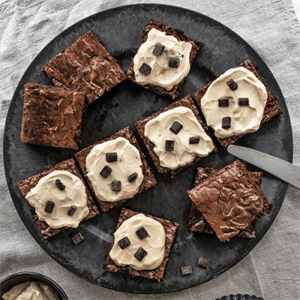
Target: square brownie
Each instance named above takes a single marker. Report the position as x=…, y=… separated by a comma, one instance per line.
x=158, y=273
x=181, y=37
x=26, y=185
x=149, y=179
x=229, y=201
x=52, y=116
x=86, y=66
x=140, y=125
x=272, y=108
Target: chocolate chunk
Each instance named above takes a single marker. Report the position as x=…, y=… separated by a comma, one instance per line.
x=49, y=207
x=169, y=145
x=232, y=84
x=142, y=233
x=145, y=69
x=158, y=49
x=124, y=242
x=111, y=156
x=132, y=177
x=244, y=101
x=78, y=238
x=105, y=171
x=140, y=254
x=176, y=127
x=186, y=270
x=226, y=122
x=59, y=184
x=71, y=210
x=194, y=139
x=223, y=102
x=116, y=185
x=174, y=62
x=203, y=262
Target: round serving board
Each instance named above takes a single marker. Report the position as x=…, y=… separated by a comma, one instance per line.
x=120, y=30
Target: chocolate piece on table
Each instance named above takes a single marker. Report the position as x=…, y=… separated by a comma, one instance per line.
x=226, y=122
x=176, y=127
x=169, y=145
x=186, y=270
x=232, y=84
x=244, y=101
x=59, y=184
x=223, y=102
x=132, y=177
x=71, y=210
x=116, y=185
x=106, y=171
x=111, y=156
x=78, y=238
x=194, y=140
x=203, y=262
x=142, y=233
x=140, y=253
x=158, y=49
x=145, y=69
x=124, y=242
x=49, y=207
x=174, y=62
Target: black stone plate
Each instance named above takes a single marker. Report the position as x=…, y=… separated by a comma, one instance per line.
x=120, y=30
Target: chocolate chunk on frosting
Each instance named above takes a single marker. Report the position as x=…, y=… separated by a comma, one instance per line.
x=142, y=233
x=158, y=49
x=194, y=140
x=59, y=184
x=169, y=145
x=176, y=127
x=223, y=102
x=133, y=177
x=232, y=84
x=124, y=242
x=145, y=69
x=226, y=122
x=243, y=101
x=71, y=210
x=174, y=62
x=140, y=253
x=116, y=185
x=49, y=207
x=105, y=171
x=111, y=157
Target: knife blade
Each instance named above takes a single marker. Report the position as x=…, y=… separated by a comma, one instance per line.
x=273, y=165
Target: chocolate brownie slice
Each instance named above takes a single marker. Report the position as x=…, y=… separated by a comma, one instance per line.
x=52, y=116
x=158, y=273
x=86, y=66
x=272, y=108
x=229, y=201
x=180, y=36
x=140, y=125
x=149, y=179
x=26, y=185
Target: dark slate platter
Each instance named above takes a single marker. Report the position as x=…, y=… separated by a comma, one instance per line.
x=120, y=30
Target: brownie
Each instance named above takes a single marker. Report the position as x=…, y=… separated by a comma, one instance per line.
x=158, y=273
x=272, y=108
x=179, y=34
x=86, y=66
x=26, y=185
x=52, y=116
x=149, y=179
x=227, y=202
x=140, y=125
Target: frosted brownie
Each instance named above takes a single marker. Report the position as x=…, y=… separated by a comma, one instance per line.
x=137, y=238
x=163, y=59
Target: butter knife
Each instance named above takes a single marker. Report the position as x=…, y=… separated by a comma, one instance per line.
x=273, y=165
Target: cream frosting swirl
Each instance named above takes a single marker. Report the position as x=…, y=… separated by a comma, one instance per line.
x=158, y=131
x=154, y=244
x=73, y=194
x=161, y=74
x=129, y=161
x=244, y=119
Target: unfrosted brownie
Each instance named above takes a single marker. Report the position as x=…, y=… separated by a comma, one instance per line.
x=86, y=66
x=180, y=36
x=52, y=116
x=26, y=185
x=157, y=274
x=272, y=108
x=148, y=181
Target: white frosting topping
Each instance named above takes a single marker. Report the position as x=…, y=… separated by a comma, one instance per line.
x=154, y=244
x=158, y=131
x=31, y=291
x=73, y=194
x=161, y=74
x=244, y=119
x=129, y=162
